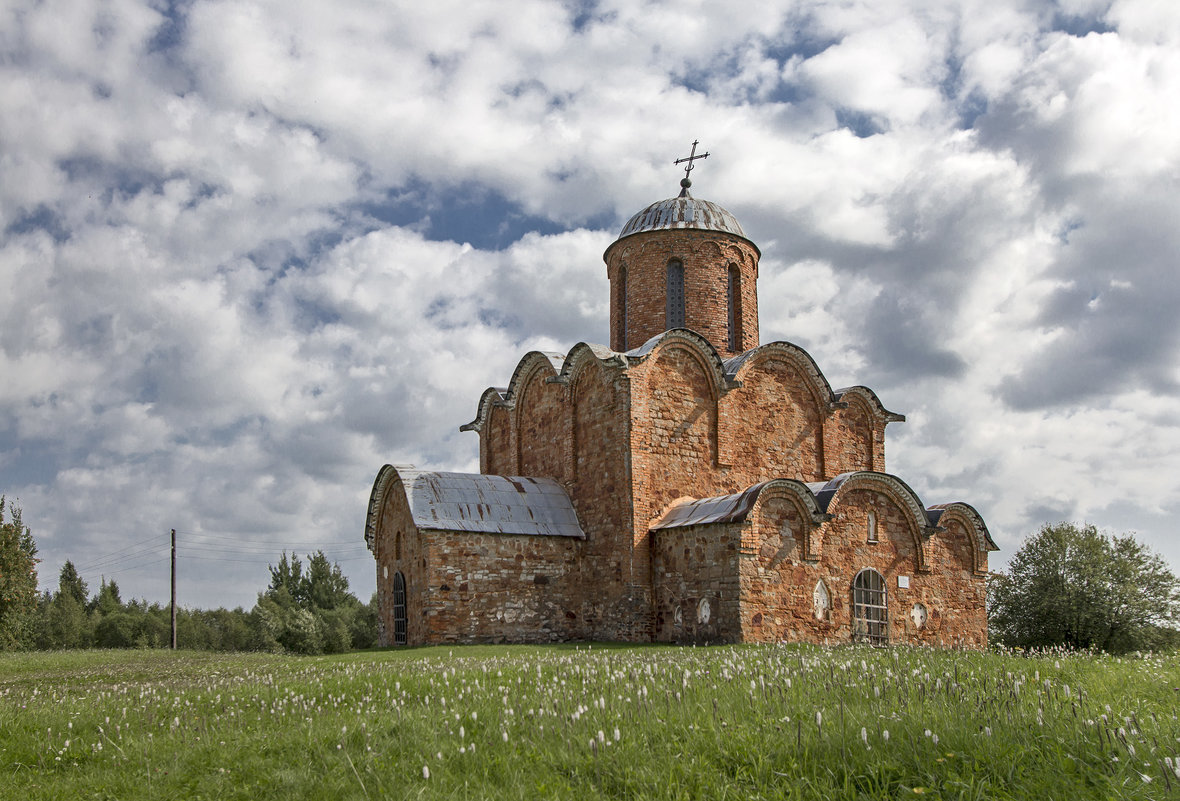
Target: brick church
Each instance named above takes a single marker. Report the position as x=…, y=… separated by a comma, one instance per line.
x=685, y=484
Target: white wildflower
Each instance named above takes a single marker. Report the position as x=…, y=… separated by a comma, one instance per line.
x=425, y=771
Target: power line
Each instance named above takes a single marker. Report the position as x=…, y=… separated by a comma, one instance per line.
x=113, y=554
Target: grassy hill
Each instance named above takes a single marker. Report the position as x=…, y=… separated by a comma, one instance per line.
x=741, y=722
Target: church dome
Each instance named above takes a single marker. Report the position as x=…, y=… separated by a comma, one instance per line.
x=684, y=211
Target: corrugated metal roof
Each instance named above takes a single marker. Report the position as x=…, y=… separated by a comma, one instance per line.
x=490, y=504
x=721, y=509
x=683, y=212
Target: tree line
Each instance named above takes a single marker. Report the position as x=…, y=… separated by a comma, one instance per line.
x=307, y=608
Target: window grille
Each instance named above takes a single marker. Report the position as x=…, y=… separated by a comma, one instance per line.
x=734, y=300
x=399, y=609
x=870, y=613
x=674, y=290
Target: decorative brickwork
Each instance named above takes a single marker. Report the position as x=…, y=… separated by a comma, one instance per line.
x=722, y=494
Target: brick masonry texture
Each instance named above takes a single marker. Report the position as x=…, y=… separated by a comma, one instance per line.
x=629, y=435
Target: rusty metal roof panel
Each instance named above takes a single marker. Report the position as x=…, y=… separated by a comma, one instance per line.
x=683, y=212
x=721, y=509
x=490, y=504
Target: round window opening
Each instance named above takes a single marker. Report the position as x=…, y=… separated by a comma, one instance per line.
x=704, y=611
x=918, y=615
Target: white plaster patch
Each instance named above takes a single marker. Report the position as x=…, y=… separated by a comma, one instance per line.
x=704, y=611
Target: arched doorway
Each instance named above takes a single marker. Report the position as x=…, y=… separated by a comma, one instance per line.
x=399, y=608
x=870, y=611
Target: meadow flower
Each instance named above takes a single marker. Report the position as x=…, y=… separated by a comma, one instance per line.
x=425, y=771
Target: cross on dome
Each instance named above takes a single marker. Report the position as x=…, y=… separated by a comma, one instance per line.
x=690, y=158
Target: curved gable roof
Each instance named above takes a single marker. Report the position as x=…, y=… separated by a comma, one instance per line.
x=873, y=401
x=735, y=507
x=935, y=513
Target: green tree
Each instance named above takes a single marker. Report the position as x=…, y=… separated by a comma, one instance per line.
x=1075, y=586
x=312, y=611
x=71, y=584
x=107, y=601
x=18, y=577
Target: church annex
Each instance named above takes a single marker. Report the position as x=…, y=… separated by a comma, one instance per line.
x=684, y=484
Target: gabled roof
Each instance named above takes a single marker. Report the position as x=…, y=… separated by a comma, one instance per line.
x=484, y=504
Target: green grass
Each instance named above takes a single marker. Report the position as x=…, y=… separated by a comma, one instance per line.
x=743, y=722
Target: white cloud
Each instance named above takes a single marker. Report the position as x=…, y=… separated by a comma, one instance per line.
x=252, y=251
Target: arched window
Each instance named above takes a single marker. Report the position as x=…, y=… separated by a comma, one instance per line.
x=872, y=526
x=735, y=311
x=870, y=613
x=397, y=546
x=399, y=609
x=674, y=293
x=623, y=308
x=822, y=601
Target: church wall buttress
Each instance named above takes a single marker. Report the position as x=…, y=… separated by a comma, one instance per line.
x=616, y=597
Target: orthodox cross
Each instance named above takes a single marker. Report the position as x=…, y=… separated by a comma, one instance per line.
x=690, y=158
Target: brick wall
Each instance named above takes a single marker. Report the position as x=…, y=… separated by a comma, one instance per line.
x=707, y=257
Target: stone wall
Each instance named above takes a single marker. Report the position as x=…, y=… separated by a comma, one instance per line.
x=696, y=584
x=497, y=588
x=397, y=546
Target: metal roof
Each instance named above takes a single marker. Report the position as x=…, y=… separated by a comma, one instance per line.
x=722, y=509
x=684, y=211
x=490, y=504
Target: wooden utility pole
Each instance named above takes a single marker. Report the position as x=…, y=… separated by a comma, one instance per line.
x=173, y=589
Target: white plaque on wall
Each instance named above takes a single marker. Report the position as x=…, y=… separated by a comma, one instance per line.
x=903, y=582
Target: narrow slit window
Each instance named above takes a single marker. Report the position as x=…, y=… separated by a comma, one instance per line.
x=735, y=313
x=623, y=308
x=872, y=526
x=674, y=310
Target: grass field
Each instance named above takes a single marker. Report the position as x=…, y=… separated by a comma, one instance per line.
x=741, y=722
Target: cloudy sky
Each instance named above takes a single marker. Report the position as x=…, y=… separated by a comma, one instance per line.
x=252, y=251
